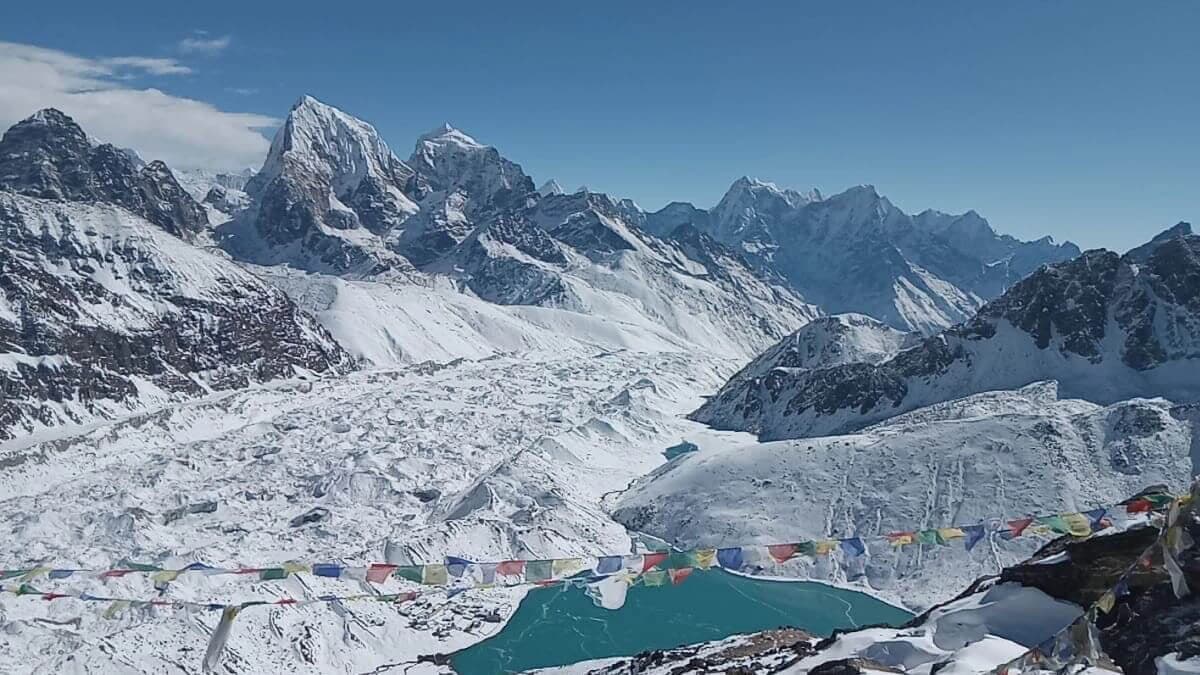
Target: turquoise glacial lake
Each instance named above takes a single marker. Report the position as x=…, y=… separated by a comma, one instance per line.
x=558, y=626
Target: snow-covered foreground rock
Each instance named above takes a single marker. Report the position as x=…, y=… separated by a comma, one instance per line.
x=992, y=455
x=501, y=457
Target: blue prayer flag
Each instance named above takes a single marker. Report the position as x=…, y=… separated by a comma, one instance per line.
x=730, y=558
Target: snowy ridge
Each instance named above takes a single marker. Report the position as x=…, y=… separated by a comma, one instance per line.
x=1105, y=327
x=997, y=454
x=856, y=252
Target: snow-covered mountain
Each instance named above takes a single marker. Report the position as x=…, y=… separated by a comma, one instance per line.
x=990, y=455
x=104, y=310
x=1106, y=327
x=332, y=198
x=825, y=342
x=49, y=156
x=328, y=193
x=856, y=252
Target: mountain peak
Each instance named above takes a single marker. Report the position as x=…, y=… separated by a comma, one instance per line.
x=1143, y=252
x=446, y=133
x=550, y=187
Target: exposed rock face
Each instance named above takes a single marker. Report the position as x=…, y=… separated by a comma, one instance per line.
x=856, y=252
x=49, y=156
x=102, y=312
x=1106, y=326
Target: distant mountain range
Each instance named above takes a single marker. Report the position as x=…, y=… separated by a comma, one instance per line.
x=1106, y=326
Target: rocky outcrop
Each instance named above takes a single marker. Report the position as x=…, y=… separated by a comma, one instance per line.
x=50, y=157
x=104, y=313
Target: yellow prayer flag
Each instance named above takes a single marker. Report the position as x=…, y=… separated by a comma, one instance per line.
x=949, y=533
x=1078, y=525
x=1107, y=602
x=565, y=567
x=826, y=547
x=705, y=558
x=293, y=568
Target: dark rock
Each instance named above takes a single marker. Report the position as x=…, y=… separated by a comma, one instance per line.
x=317, y=514
x=50, y=157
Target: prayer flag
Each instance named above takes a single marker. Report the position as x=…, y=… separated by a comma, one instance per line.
x=854, y=547
x=678, y=576
x=655, y=578
x=609, y=564
x=704, y=558
x=511, y=568
x=781, y=552
x=539, y=570
x=1107, y=602
x=333, y=571
x=457, y=566
x=730, y=558
x=1055, y=523
x=928, y=537
x=807, y=548
x=900, y=538
x=61, y=574
x=434, y=575
x=378, y=573
x=1098, y=518
x=1078, y=525
x=1140, y=505
x=1016, y=528
x=975, y=534
x=652, y=560
x=826, y=547
x=565, y=567
x=949, y=534
x=485, y=574
x=272, y=573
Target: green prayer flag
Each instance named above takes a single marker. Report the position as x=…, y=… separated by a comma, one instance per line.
x=539, y=570
x=929, y=537
x=272, y=573
x=1055, y=523
x=413, y=573
x=807, y=548
x=655, y=578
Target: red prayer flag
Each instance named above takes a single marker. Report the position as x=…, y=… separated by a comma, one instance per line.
x=1016, y=527
x=115, y=573
x=286, y=601
x=378, y=573
x=782, y=552
x=1139, y=506
x=511, y=567
x=652, y=560
x=678, y=576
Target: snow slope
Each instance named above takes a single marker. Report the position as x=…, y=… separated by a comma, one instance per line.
x=992, y=455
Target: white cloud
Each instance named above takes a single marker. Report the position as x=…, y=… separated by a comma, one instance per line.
x=198, y=44
x=183, y=132
x=151, y=65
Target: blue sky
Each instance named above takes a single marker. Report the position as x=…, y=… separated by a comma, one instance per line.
x=1072, y=118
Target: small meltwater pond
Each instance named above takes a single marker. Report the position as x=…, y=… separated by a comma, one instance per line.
x=558, y=626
